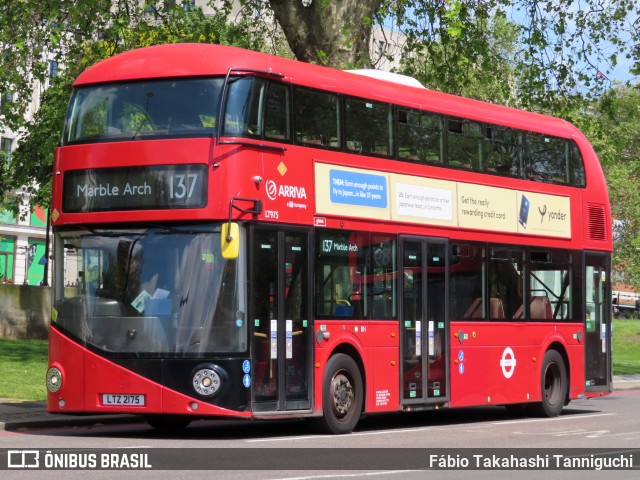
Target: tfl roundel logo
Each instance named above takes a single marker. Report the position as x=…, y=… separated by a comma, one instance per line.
x=272, y=189
x=508, y=362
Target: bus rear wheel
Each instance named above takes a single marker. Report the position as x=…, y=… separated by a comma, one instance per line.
x=341, y=395
x=554, y=385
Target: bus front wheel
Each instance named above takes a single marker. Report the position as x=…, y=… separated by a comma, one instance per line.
x=341, y=394
x=554, y=385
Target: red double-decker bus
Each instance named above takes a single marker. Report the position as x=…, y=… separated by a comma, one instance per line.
x=241, y=235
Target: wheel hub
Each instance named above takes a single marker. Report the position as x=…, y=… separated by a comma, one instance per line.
x=343, y=395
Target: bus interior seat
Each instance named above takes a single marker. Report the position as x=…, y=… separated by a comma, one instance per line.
x=343, y=307
x=475, y=310
x=343, y=311
x=496, y=308
x=540, y=308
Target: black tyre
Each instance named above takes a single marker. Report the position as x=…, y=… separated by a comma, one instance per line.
x=342, y=395
x=168, y=423
x=554, y=385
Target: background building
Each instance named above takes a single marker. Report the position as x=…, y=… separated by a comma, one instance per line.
x=22, y=236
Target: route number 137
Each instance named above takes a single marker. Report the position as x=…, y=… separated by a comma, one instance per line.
x=181, y=185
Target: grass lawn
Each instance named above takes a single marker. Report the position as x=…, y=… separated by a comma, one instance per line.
x=626, y=346
x=23, y=367
x=23, y=363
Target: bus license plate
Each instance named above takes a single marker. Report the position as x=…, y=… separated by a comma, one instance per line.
x=123, y=400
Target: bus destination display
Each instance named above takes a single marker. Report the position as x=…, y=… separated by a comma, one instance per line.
x=135, y=188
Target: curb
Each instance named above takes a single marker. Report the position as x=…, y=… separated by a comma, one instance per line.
x=47, y=422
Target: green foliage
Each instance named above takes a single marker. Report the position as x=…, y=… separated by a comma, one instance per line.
x=479, y=64
x=612, y=124
x=77, y=35
x=544, y=55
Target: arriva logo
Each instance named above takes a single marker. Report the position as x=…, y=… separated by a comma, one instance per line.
x=274, y=191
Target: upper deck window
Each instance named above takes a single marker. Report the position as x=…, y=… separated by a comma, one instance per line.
x=367, y=126
x=243, y=107
x=466, y=144
x=577, y=167
x=548, y=158
x=504, y=155
x=316, y=118
x=419, y=136
x=257, y=108
x=143, y=110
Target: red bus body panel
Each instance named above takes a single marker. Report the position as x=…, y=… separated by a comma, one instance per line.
x=283, y=179
x=87, y=376
x=482, y=378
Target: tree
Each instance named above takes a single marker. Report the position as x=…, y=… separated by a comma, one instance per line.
x=485, y=70
x=77, y=35
x=314, y=35
x=564, y=48
x=612, y=124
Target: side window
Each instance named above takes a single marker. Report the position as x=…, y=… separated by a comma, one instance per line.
x=547, y=158
x=244, y=104
x=506, y=281
x=367, y=127
x=419, y=136
x=355, y=275
x=466, y=281
x=7, y=259
x=382, y=287
x=316, y=118
x=339, y=268
x=577, y=166
x=6, y=146
x=550, y=286
x=465, y=144
x=504, y=155
x=276, y=112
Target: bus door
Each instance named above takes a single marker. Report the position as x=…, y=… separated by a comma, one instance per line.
x=424, y=320
x=597, y=323
x=280, y=319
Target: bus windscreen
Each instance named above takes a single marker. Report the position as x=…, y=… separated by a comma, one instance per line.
x=143, y=110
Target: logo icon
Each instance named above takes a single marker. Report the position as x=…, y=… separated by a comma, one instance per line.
x=508, y=362
x=23, y=459
x=272, y=189
x=543, y=212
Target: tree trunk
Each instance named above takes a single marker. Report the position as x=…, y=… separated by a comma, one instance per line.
x=335, y=33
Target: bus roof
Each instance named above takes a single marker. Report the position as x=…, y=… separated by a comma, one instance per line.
x=189, y=60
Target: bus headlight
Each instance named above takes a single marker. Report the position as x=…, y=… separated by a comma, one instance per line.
x=54, y=379
x=206, y=381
